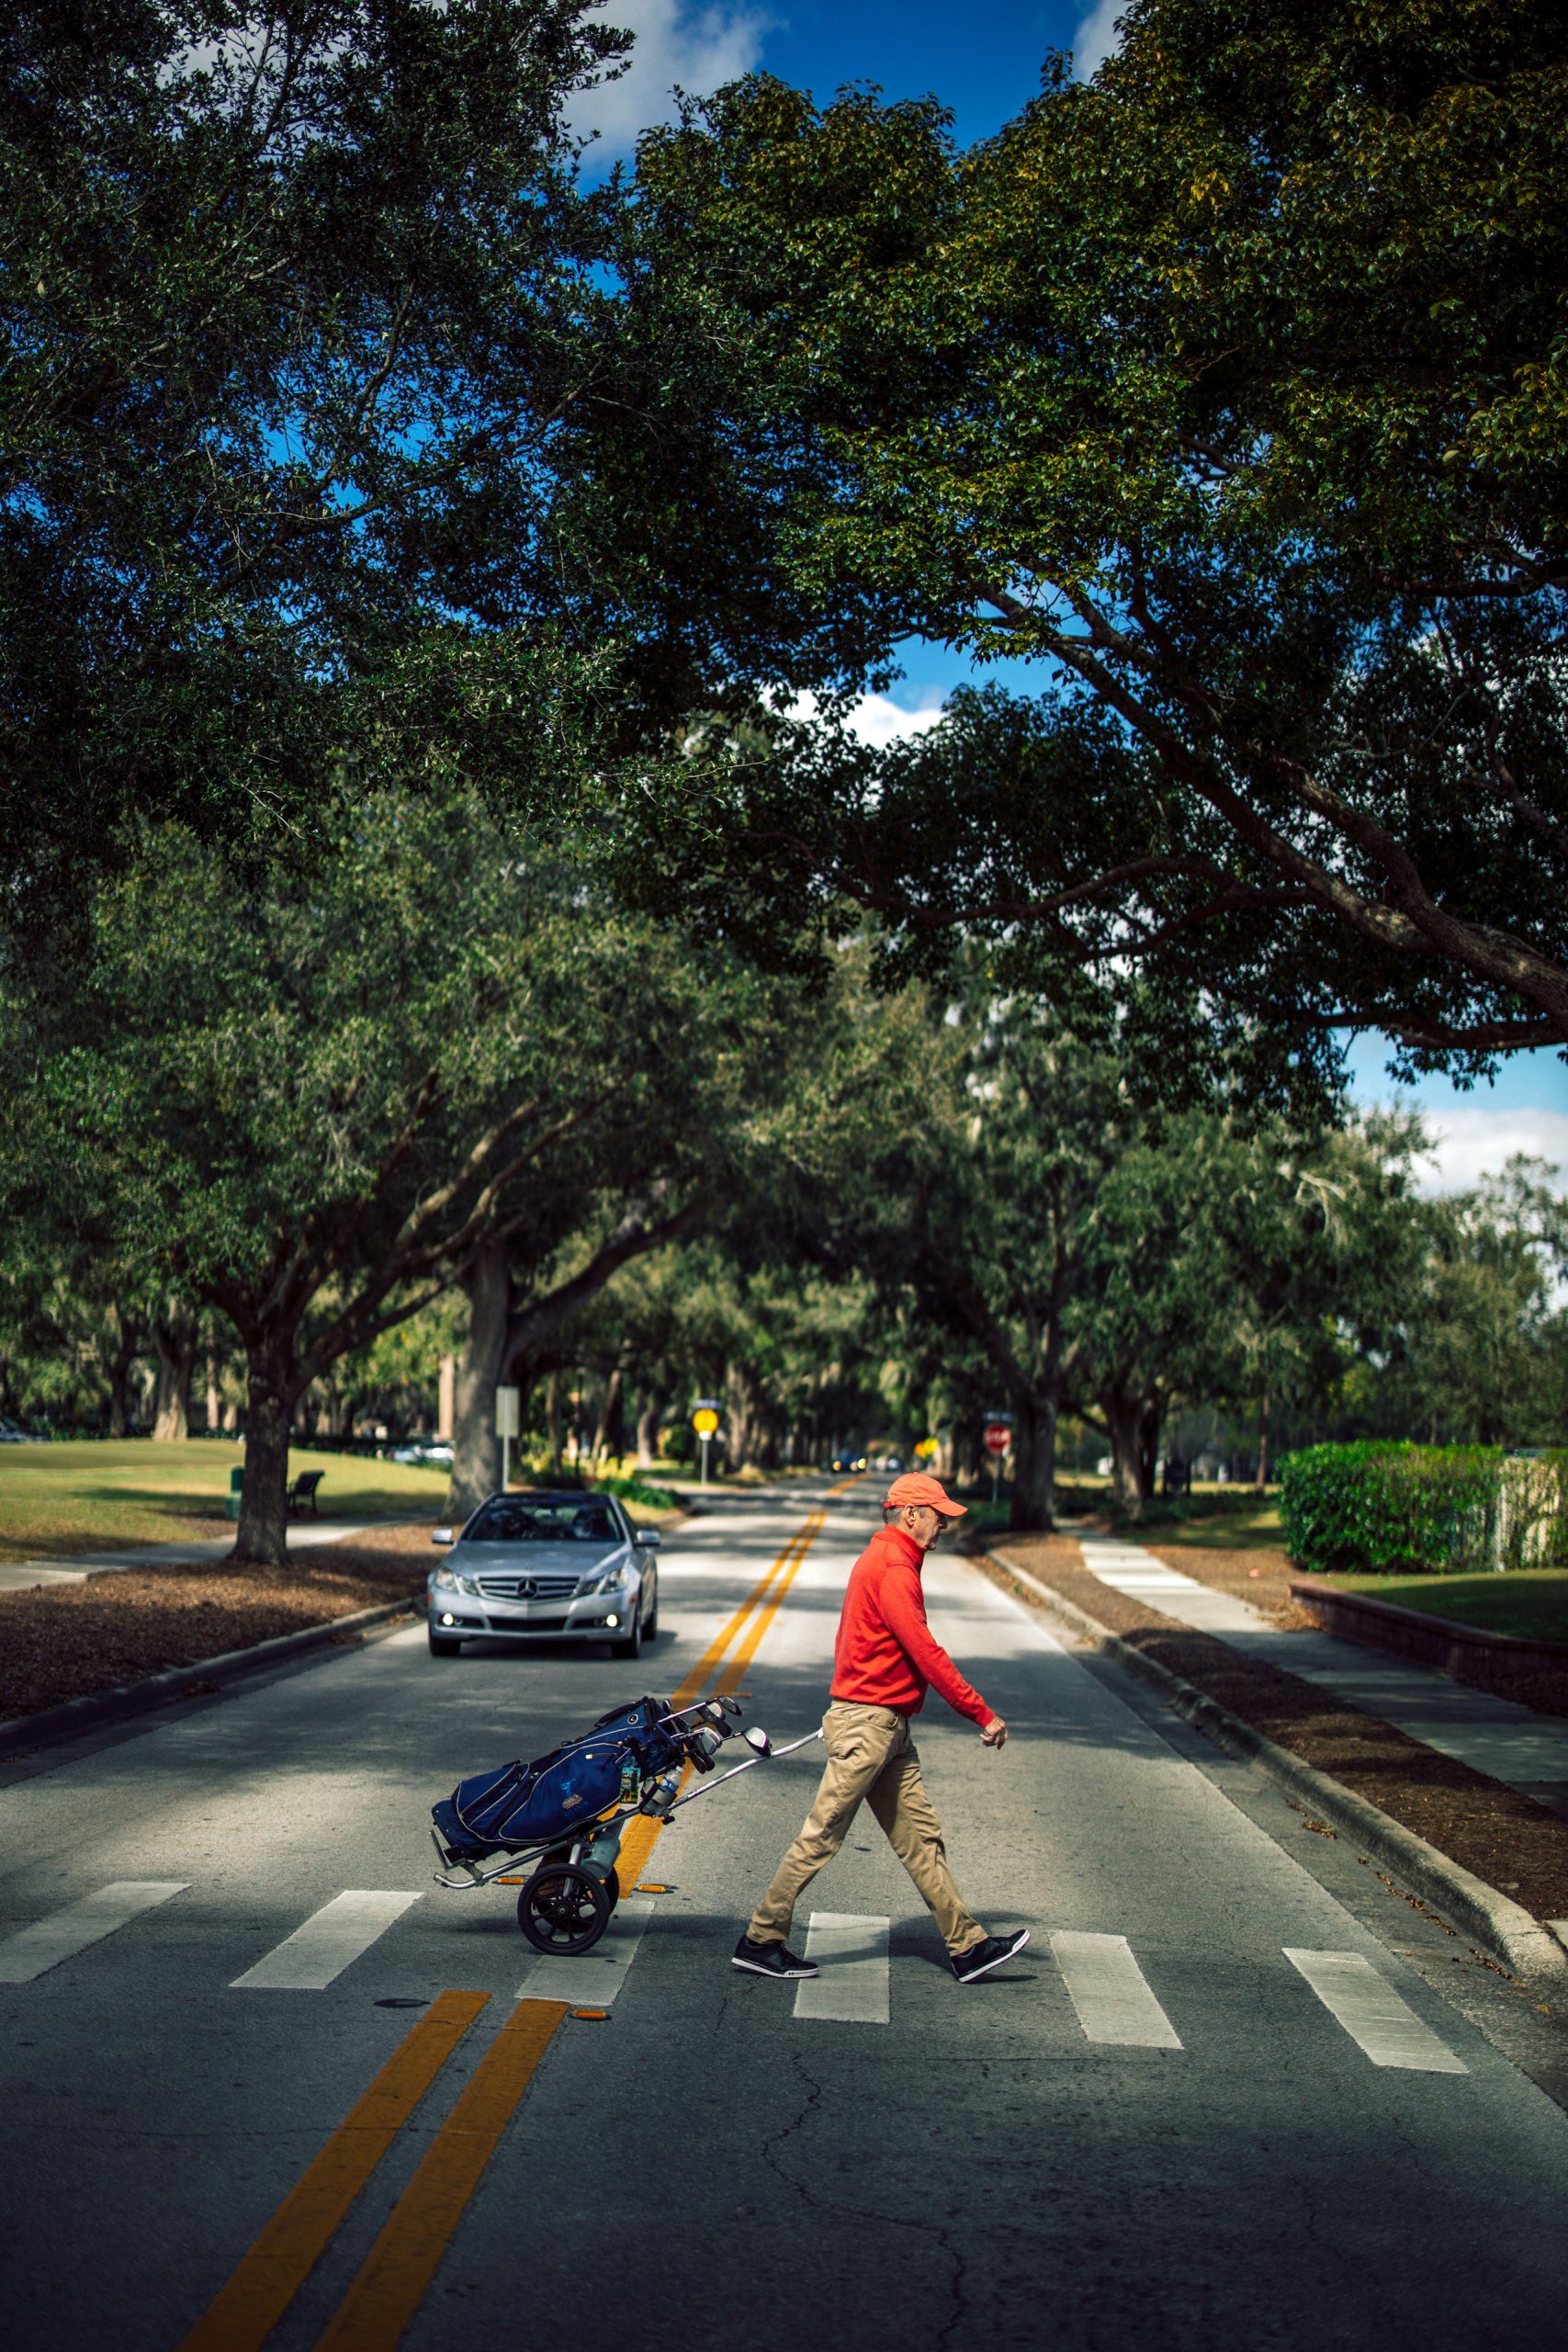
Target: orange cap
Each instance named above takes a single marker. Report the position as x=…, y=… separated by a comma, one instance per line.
x=915, y=1487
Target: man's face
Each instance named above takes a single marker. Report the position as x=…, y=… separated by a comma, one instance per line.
x=922, y=1523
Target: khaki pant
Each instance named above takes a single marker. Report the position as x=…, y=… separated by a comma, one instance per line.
x=871, y=1758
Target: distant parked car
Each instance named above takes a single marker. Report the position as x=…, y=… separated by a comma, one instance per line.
x=13, y=1433
x=434, y=1451
x=894, y=1462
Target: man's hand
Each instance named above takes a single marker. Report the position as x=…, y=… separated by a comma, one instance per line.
x=995, y=1734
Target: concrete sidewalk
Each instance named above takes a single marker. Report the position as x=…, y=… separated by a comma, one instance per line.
x=1509, y=1743
x=32, y=1576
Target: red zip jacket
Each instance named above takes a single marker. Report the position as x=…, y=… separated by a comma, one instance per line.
x=886, y=1655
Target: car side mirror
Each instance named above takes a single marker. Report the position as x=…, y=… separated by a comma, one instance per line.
x=755, y=1737
x=443, y=1535
x=649, y=1537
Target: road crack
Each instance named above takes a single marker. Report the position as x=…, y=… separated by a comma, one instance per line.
x=942, y=2234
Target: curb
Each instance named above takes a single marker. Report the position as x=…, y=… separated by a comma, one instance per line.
x=1398, y=1632
x=1504, y=1927
x=74, y=1716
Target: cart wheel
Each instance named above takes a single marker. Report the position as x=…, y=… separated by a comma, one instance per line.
x=563, y=1910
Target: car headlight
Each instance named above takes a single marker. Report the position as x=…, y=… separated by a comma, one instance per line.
x=445, y=1580
x=613, y=1581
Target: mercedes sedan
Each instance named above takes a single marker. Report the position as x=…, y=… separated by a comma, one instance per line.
x=556, y=1567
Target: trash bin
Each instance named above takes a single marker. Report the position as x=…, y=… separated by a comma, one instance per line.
x=236, y=1489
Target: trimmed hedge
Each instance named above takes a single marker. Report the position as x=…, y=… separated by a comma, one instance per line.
x=1380, y=1508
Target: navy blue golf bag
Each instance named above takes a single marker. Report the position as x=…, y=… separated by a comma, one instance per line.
x=527, y=1804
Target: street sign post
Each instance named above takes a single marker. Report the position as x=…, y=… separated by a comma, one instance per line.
x=705, y=1420
x=507, y=1424
x=996, y=1438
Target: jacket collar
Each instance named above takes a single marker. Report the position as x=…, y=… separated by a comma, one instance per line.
x=903, y=1547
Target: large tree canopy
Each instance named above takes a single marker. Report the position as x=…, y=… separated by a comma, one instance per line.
x=1230, y=386
x=335, y=406
x=311, y=1099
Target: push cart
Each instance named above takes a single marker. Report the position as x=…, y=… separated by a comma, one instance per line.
x=563, y=1816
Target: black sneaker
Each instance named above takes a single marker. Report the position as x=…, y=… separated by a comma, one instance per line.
x=770, y=1960
x=990, y=1952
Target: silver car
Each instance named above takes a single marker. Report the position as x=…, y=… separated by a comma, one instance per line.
x=533, y=1568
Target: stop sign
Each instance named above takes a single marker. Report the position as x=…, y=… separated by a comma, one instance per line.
x=997, y=1437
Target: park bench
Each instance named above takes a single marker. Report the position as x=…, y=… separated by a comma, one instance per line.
x=302, y=1491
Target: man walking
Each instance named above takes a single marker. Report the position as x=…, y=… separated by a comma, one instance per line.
x=884, y=1661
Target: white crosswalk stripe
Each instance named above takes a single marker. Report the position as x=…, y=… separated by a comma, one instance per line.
x=33, y=1951
x=592, y=1980
x=1107, y=1988
x=850, y=1949
x=329, y=1940
x=1114, y=2005
x=1375, y=2016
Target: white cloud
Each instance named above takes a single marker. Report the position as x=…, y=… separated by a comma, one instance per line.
x=1471, y=1143
x=701, y=49
x=1097, y=36
x=877, y=720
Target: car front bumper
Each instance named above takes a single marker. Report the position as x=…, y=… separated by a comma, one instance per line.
x=602, y=1616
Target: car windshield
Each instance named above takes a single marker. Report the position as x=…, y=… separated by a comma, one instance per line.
x=544, y=1519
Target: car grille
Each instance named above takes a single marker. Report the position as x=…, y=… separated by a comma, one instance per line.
x=520, y=1588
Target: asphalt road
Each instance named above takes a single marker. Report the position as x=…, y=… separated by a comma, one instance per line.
x=1217, y=2101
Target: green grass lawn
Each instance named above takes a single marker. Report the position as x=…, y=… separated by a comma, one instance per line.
x=1228, y=1518
x=1531, y=1601
x=89, y=1497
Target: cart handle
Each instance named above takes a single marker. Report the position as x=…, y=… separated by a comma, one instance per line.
x=709, y=1786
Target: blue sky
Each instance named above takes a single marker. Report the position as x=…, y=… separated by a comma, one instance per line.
x=983, y=62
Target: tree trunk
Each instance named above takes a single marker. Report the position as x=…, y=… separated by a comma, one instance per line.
x=738, y=1418
x=1125, y=1420
x=650, y=1421
x=214, y=1395
x=128, y=1340
x=609, y=1438
x=270, y=1398
x=476, y=1448
x=1034, y=1462
x=1263, y=1443
x=174, y=1337
x=1151, y=1421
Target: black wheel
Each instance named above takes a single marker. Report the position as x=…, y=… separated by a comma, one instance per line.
x=651, y=1627
x=632, y=1645
x=563, y=1910
x=440, y=1645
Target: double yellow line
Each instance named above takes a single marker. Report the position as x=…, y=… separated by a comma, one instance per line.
x=379, y=2305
